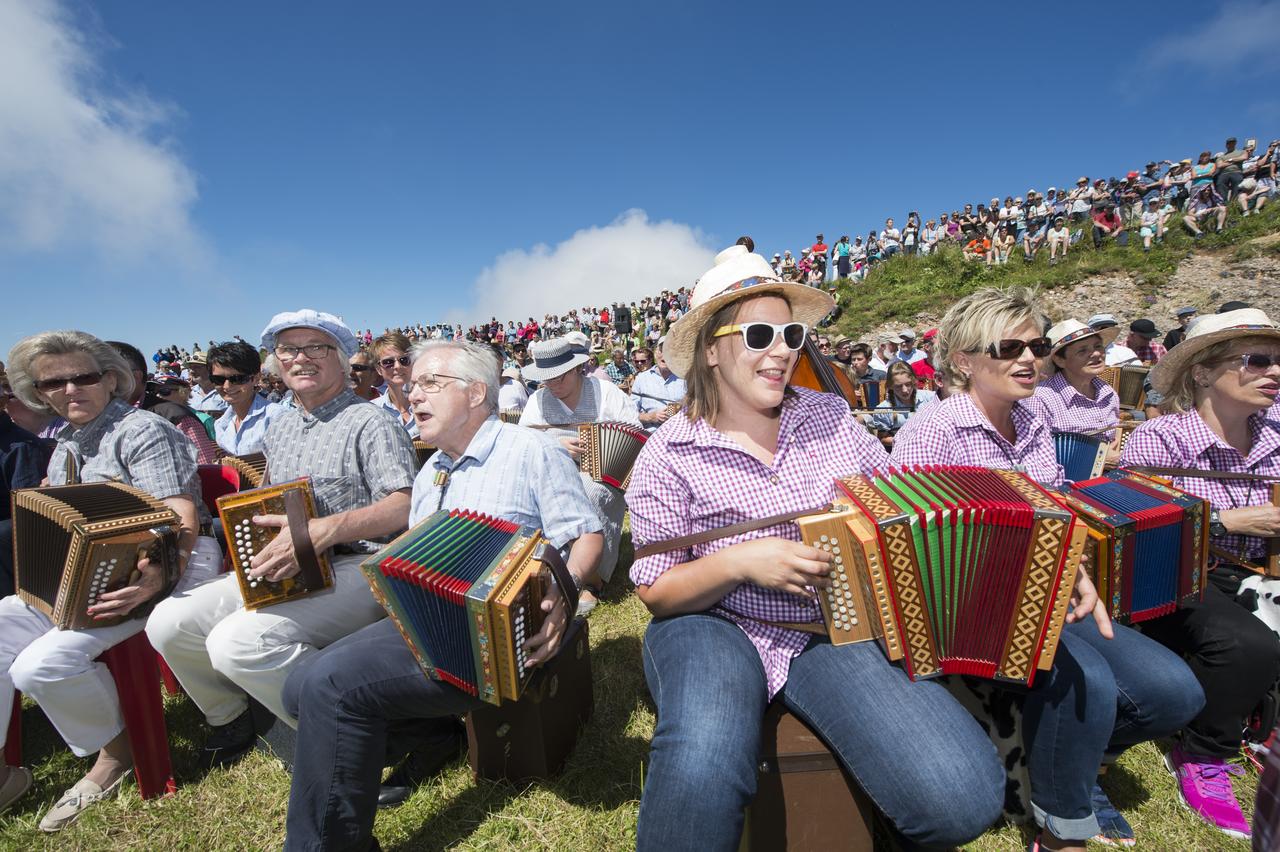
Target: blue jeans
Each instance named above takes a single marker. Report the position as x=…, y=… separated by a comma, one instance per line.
x=1101, y=696
x=345, y=698
x=914, y=750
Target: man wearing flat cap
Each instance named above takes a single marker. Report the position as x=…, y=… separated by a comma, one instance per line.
x=1174, y=337
x=361, y=466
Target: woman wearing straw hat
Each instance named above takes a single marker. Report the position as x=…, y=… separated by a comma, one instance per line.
x=568, y=397
x=1074, y=398
x=1110, y=687
x=1220, y=385
x=726, y=636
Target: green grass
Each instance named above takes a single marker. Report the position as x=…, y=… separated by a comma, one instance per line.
x=591, y=806
x=902, y=287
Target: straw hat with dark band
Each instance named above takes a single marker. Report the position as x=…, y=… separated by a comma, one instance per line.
x=1070, y=330
x=1206, y=331
x=737, y=274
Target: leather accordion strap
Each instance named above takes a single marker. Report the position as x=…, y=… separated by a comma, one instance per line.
x=564, y=580
x=1193, y=473
x=687, y=541
x=1238, y=561
x=304, y=551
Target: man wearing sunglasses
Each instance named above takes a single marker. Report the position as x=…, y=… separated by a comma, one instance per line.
x=234, y=368
x=655, y=387
x=361, y=467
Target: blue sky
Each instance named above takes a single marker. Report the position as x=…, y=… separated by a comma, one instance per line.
x=172, y=172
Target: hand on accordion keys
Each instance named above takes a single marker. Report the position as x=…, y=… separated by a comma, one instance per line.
x=778, y=563
x=1085, y=600
x=144, y=584
x=276, y=561
x=573, y=446
x=546, y=642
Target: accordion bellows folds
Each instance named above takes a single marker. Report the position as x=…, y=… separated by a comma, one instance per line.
x=465, y=591
x=245, y=539
x=609, y=451
x=1147, y=543
x=72, y=543
x=1081, y=456
x=956, y=570
x=252, y=468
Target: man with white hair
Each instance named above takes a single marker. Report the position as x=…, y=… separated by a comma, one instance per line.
x=348, y=695
x=361, y=466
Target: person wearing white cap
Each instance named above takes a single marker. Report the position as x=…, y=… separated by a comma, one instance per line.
x=512, y=394
x=1220, y=386
x=1117, y=353
x=568, y=397
x=361, y=466
x=735, y=618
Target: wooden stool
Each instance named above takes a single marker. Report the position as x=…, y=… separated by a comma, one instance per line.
x=804, y=799
x=531, y=739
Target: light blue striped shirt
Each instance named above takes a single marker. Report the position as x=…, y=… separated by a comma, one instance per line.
x=252, y=430
x=509, y=472
x=411, y=427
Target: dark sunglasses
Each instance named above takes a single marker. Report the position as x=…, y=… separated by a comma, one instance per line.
x=388, y=363
x=759, y=336
x=81, y=381
x=1008, y=349
x=1256, y=362
x=360, y=368
x=234, y=378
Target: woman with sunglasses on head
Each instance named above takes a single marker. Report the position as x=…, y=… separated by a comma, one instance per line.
x=1219, y=391
x=86, y=381
x=735, y=621
x=1109, y=688
x=234, y=368
x=390, y=354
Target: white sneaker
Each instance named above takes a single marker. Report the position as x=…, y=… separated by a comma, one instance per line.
x=74, y=801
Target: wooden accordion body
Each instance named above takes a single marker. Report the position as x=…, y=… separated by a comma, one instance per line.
x=1148, y=543
x=609, y=451
x=71, y=543
x=252, y=468
x=465, y=591
x=245, y=538
x=1081, y=456
x=960, y=570
x=871, y=393
x=510, y=415
x=1129, y=384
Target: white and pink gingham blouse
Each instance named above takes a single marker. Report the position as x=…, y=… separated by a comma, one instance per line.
x=690, y=478
x=1065, y=409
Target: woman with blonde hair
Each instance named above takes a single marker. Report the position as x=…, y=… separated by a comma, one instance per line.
x=735, y=621
x=1110, y=688
x=391, y=358
x=1220, y=386
x=86, y=381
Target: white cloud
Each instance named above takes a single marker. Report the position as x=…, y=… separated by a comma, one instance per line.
x=1240, y=37
x=629, y=258
x=81, y=163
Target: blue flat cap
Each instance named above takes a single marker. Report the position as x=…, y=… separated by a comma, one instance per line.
x=1182, y=312
x=307, y=318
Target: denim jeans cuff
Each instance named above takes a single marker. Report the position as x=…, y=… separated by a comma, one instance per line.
x=1067, y=829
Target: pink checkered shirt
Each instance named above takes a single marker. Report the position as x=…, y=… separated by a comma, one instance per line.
x=957, y=433
x=1185, y=440
x=1151, y=353
x=1065, y=409
x=690, y=478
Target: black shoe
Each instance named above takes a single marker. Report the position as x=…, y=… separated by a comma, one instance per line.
x=420, y=765
x=227, y=743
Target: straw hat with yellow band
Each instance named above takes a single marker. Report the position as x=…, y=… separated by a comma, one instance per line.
x=1206, y=331
x=738, y=274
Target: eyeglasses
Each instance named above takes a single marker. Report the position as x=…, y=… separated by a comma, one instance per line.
x=60, y=385
x=314, y=351
x=1010, y=348
x=760, y=336
x=1256, y=362
x=432, y=383
x=234, y=378
x=360, y=368
x=388, y=363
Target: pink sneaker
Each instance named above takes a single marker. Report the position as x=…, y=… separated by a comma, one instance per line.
x=1205, y=783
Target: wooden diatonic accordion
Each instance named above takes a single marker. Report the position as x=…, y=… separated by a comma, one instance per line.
x=294, y=500
x=72, y=543
x=252, y=468
x=1129, y=384
x=960, y=570
x=465, y=590
x=871, y=392
x=1081, y=456
x=1123, y=430
x=510, y=415
x=422, y=451
x=609, y=451
x=1147, y=543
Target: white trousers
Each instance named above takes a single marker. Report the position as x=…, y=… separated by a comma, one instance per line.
x=219, y=651
x=59, y=668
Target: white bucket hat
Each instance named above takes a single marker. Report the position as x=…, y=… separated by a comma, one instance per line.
x=737, y=274
x=1204, y=332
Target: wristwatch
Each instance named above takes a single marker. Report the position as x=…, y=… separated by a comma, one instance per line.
x=1216, y=526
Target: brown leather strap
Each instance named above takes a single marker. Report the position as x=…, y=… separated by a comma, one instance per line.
x=304, y=551
x=551, y=558
x=816, y=627
x=1193, y=473
x=686, y=541
x=1238, y=561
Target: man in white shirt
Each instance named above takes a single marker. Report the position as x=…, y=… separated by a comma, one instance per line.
x=656, y=388
x=907, y=351
x=1117, y=353
x=885, y=353
x=512, y=394
x=890, y=239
